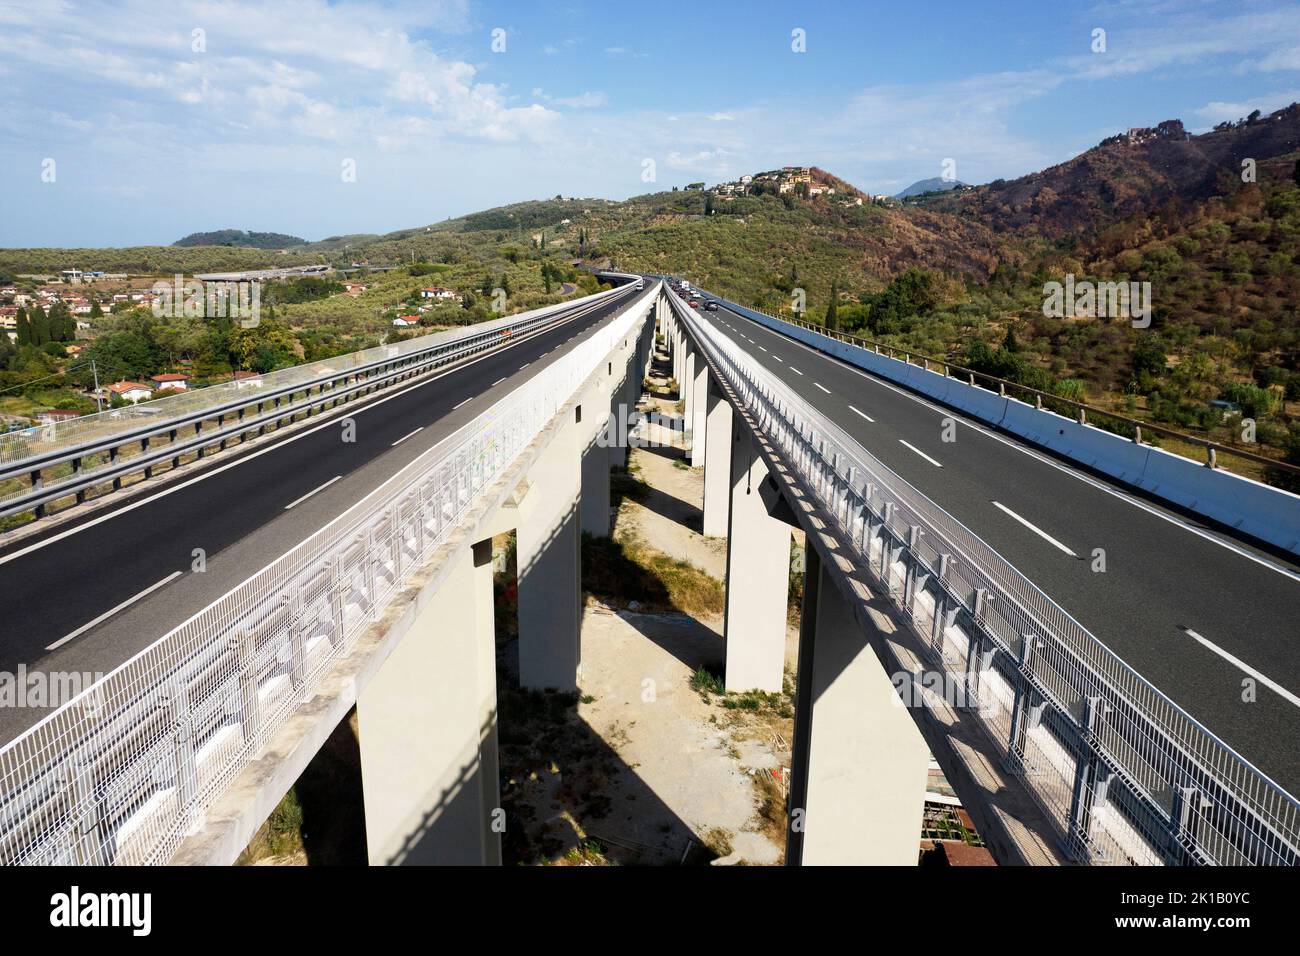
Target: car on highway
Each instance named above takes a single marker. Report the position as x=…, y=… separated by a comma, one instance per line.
x=694, y=303
x=711, y=306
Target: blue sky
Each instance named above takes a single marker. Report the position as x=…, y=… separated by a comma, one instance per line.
x=156, y=131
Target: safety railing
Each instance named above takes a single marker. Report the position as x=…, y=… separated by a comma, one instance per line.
x=1124, y=773
x=121, y=773
x=70, y=458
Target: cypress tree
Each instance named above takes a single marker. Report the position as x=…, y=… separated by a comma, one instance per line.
x=24, y=328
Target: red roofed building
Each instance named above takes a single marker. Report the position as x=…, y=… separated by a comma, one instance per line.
x=172, y=380
x=131, y=391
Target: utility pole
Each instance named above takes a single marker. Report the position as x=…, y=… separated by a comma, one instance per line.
x=99, y=402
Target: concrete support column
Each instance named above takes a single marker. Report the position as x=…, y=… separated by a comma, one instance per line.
x=860, y=765
x=758, y=574
x=699, y=411
x=485, y=639
x=596, y=455
x=428, y=729
x=549, y=559
x=717, y=464
x=685, y=385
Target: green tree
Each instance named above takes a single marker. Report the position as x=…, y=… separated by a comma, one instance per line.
x=40, y=326
x=832, y=320
x=24, y=328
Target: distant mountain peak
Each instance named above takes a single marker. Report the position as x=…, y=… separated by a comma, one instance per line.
x=932, y=185
x=241, y=237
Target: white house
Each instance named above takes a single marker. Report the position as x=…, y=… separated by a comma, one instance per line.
x=171, y=380
x=406, y=321
x=131, y=391
x=437, y=292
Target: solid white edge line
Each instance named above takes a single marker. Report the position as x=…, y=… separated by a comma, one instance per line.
x=863, y=414
x=1270, y=684
x=1035, y=529
x=109, y=613
x=298, y=501
x=406, y=436
x=912, y=447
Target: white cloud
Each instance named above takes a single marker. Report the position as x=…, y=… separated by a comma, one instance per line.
x=721, y=117
x=1219, y=112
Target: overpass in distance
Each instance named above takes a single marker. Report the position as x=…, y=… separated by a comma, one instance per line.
x=1101, y=717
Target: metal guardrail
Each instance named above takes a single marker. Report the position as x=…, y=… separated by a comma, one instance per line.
x=1124, y=773
x=107, y=446
x=1132, y=428
x=125, y=770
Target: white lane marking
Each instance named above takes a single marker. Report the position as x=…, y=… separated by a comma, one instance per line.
x=863, y=414
x=524, y=366
x=496, y=383
x=276, y=446
x=111, y=611
x=761, y=347
x=909, y=445
x=777, y=357
x=1034, y=453
x=822, y=387
x=1034, y=528
x=298, y=501
x=466, y=402
x=1271, y=684
x=406, y=436
x=795, y=370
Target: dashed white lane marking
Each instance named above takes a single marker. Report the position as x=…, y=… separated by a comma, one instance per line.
x=1034, y=528
x=407, y=435
x=111, y=611
x=822, y=387
x=919, y=452
x=466, y=402
x=298, y=501
x=497, y=382
x=795, y=370
x=863, y=414
x=1271, y=684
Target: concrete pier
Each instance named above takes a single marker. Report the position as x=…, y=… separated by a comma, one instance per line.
x=860, y=765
